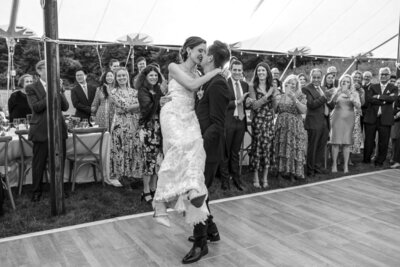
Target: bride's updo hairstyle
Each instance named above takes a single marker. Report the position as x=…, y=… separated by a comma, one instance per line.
x=191, y=43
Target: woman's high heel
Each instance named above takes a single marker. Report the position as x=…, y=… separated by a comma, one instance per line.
x=146, y=197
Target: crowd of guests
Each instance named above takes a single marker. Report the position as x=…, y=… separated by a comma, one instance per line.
x=292, y=122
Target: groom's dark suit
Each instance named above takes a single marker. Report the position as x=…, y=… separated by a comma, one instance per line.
x=210, y=110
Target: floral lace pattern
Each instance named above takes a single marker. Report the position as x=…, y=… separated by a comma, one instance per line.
x=182, y=168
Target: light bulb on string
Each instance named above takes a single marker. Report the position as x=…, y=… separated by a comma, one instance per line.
x=342, y=59
x=145, y=47
x=258, y=55
x=241, y=53
x=124, y=45
x=369, y=60
x=315, y=58
x=17, y=40
x=273, y=55
x=76, y=46
x=167, y=49
x=383, y=62
x=101, y=46
x=329, y=59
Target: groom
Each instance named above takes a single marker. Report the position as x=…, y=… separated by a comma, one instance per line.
x=211, y=104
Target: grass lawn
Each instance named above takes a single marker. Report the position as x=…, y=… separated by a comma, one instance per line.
x=93, y=202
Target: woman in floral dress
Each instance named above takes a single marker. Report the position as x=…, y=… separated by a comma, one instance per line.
x=148, y=84
x=101, y=106
x=290, y=136
x=126, y=159
x=357, y=132
x=260, y=101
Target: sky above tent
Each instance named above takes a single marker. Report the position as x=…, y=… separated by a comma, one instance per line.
x=335, y=28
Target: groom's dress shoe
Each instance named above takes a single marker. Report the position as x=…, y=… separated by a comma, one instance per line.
x=195, y=254
x=237, y=184
x=214, y=237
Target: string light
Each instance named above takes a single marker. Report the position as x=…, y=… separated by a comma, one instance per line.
x=17, y=40
x=329, y=59
x=241, y=53
x=342, y=59
x=273, y=55
x=146, y=47
x=124, y=45
x=76, y=46
x=287, y=55
x=258, y=55
x=316, y=58
x=369, y=60
x=167, y=49
x=101, y=46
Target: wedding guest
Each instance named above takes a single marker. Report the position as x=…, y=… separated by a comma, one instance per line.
x=393, y=79
x=126, y=159
x=328, y=82
x=113, y=64
x=358, y=138
x=38, y=134
x=149, y=94
x=277, y=85
x=333, y=70
x=275, y=73
x=395, y=134
x=316, y=123
x=303, y=80
x=345, y=101
x=18, y=106
x=366, y=83
x=261, y=92
x=82, y=95
x=235, y=127
x=102, y=106
x=379, y=116
x=140, y=64
x=290, y=136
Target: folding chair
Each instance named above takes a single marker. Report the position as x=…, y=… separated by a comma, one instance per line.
x=84, y=154
x=5, y=140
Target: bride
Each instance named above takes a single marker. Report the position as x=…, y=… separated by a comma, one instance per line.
x=181, y=176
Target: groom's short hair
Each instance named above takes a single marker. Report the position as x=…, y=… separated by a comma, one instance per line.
x=220, y=52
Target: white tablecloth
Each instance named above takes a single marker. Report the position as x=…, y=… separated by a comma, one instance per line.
x=85, y=173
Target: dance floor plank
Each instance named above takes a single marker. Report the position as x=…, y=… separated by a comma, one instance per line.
x=352, y=221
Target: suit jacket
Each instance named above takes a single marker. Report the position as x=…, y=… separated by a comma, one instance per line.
x=210, y=111
x=315, y=118
x=81, y=103
x=232, y=106
x=37, y=100
x=385, y=101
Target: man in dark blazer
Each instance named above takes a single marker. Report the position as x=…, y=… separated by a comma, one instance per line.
x=235, y=127
x=316, y=123
x=82, y=96
x=37, y=100
x=211, y=108
x=379, y=116
x=366, y=84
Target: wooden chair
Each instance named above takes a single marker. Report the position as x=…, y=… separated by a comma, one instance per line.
x=25, y=161
x=86, y=155
x=5, y=140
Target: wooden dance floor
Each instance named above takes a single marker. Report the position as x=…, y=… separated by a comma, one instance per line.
x=352, y=221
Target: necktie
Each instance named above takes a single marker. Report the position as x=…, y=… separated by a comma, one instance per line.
x=85, y=90
x=383, y=87
x=239, y=106
x=326, y=109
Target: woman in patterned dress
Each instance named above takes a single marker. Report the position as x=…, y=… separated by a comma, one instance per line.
x=148, y=84
x=290, y=136
x=126, y=159
x=101, y=106
x=260, y=101
x=357, y=132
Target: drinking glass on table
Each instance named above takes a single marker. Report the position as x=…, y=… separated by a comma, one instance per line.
x=28, y=120
x=85, y=123
x=93, y=121
x=6, y=126
x=16, y=124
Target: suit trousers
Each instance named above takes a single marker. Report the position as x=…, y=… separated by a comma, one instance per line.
x=383, y=141
x=317, y=140
x=201, y=230
x=234, y=135
x=39, y=161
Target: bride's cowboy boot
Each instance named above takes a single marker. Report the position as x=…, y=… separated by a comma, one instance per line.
x=256, y=182
x=160, y=214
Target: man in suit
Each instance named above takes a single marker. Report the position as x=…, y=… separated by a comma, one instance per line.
x=235, y=126
x=113, y=64
x=82, y=96
x=333, y=70
x=379, y=116
x=316, y=123
x=275, y=73
x=210, y=110
x=37, y=100
x=366, y=84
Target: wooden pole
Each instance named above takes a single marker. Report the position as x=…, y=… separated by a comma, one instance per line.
x=54, y=114
x=398, y=52
x=290, y=62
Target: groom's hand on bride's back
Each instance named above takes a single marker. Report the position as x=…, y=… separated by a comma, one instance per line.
x=164, y=100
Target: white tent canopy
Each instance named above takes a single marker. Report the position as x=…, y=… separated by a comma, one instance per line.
x=332, y=28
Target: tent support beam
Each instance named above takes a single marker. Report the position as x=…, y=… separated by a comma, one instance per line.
x=398, y=53
x=54, y=115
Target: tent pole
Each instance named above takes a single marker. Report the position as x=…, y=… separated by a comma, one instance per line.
x=398, y=53
x=54, y=115
x=287, y=67
x=351, y=65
